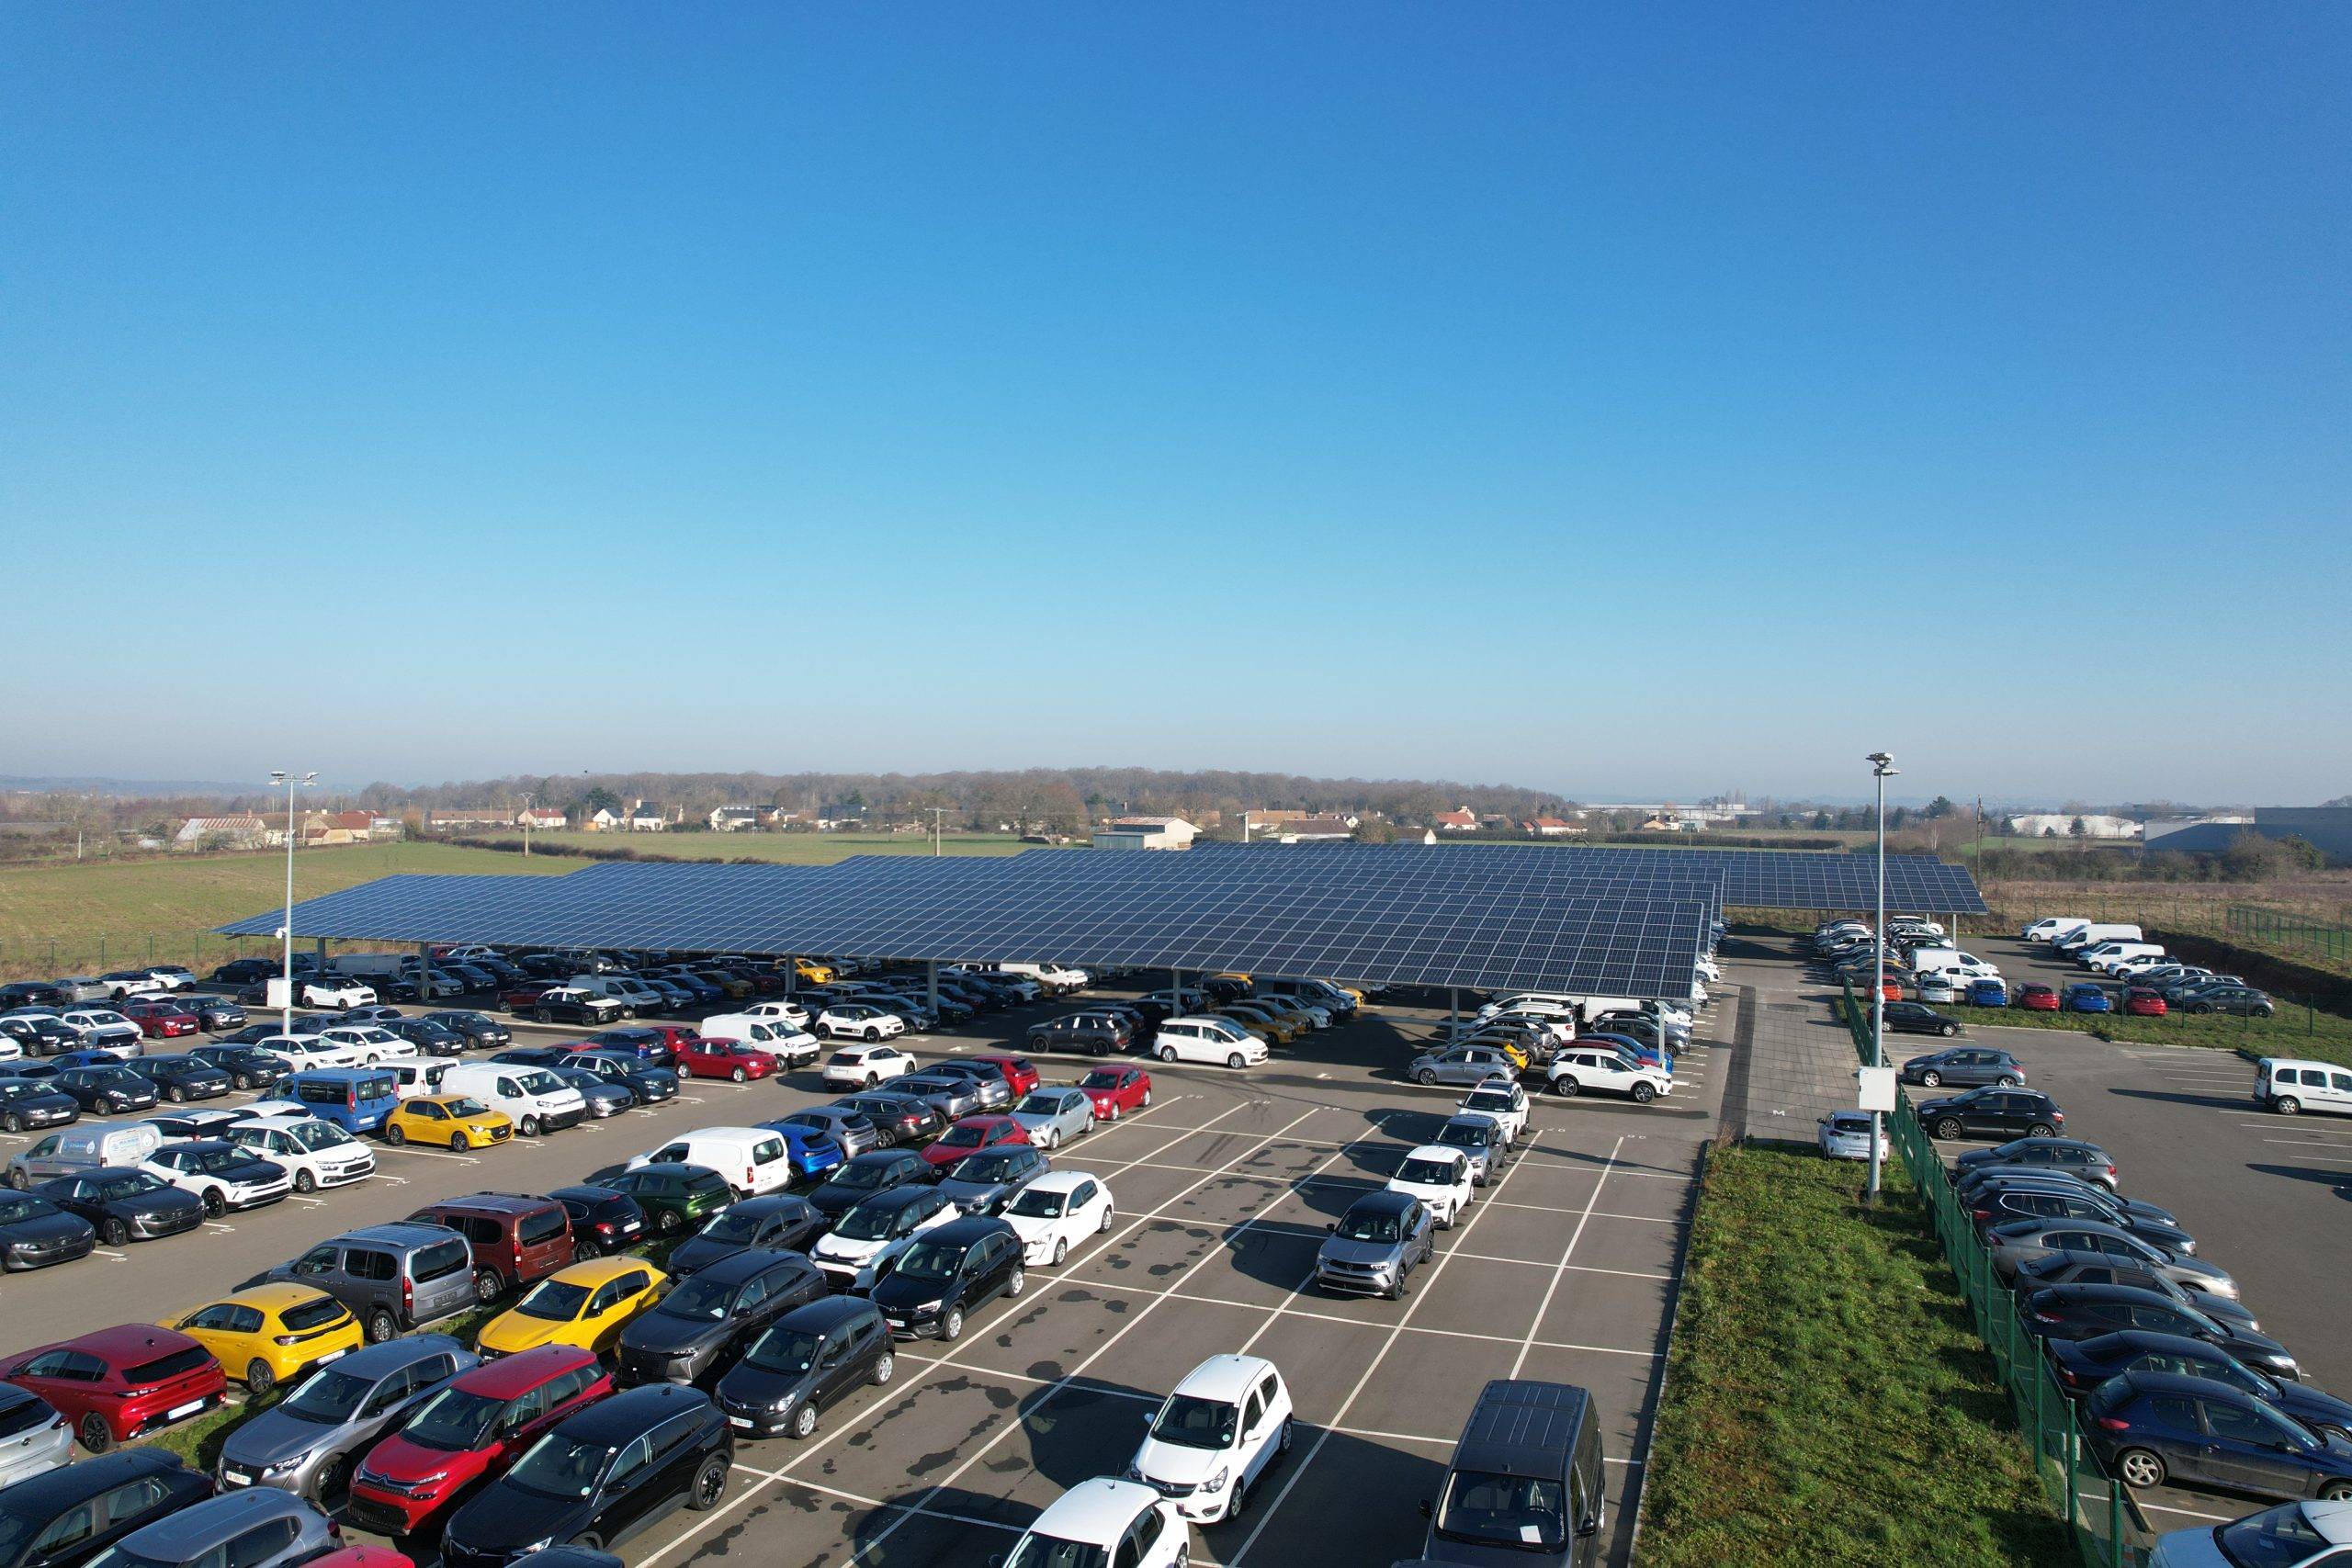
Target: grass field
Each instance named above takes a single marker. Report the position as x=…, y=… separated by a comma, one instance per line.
x=2295, y=1031
x=1826, y=1400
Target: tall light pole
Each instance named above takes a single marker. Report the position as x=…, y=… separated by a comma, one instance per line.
x=1883, y=768
x=286, y=1021
x=527, y=798
x=937, y=812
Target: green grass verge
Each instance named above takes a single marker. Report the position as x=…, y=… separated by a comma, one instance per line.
x=2294, y=1031
x=1827, y=1399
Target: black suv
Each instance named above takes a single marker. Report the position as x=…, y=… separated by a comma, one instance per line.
x=599, y=1477
x=1994, y=1112
x=945, y=1273
x=2086, y=1312
x=811, y=1358
x=697, y=1331
x=1096, y=1035
x=778, y=1222
x=70, y=1515
x=1917, y=1017
x=856, y=1181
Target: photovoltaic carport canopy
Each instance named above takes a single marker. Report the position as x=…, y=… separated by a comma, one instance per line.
x=1627, y=922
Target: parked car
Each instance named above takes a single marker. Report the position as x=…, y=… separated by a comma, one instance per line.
x=124, y=1204
x=646, y=1083
x=1598, y=1064
x=2152, y=1428
x=985, y=1182
x=513, y=1239
x=2038, y=998
x=697, y=1331
x=181, y=1079
x=319, y=1153
x=729, y=1059
x=847, y=1129
x=2167, y=1251
x=1375, y=1245
x=1207, y=1038
x=972, y=1135
x=2086, y=995
x=778, y=1223
x=247, y=1066
x=2142, y=1001
x=587, y=1305
x=1463, y=1065
x=1053, y=1116
x=564, y=1004
x=1915, y=1018
x=35, y=1232
x=2238, y=1001
x=1087, y=1033
x=222, y=1175
x=106, y=1091
x=896, y=1119
x=2084, y=1311
x=1963, y=1065
x=674, y=1196
x=309, y=1442
x=1096, y=1520
x=34, y=1440
x=861, y=1177
x=2082, y=1365
x=270, y=1334
x=454, y=1121
x=392, y=1277
x=117, y=1383
x=2288, y=1088
x=865, y=1242
x=858, y=1021
x=1116, y=1091
x=2072, y=1156
x=1501, y=1099
x=74, y=1515
x=1439, y=1178
x=1987, y=993
x=1993, y=1113
x=1058, y=1210
x=863, y=1067
x=2292, y=1535
x=807, y=1360
x=1216, y=1437
x=26, y=1103
x=160, y=1018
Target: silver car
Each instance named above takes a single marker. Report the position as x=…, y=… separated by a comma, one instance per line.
x=1376, y=1244
x=2022, y=1241
x=1481, y=1138
x=1461, y=1065
x=996, y=1090
x=307, y=1443
x=1052, y=1117
x=34, y=1439
x=951, y=1095
x=854, y=1132
x=252, y=1530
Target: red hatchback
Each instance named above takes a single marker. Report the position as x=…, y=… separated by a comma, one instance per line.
x=469, y=1432
x=1018, y=1071
x=2144, y=1001
x=729, y=1059
x=1116, y=1090
x=121, y=1383
x=972, y=1135
x=2038, y=998
x=160, y=1019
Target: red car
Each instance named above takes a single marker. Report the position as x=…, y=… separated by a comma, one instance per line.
x=723, y=1059
x=2141, y=999
x=2038, y=998
x=160, y=1020
x=362, y=1557
x=122, y=1382
x=972, y=1135
x=461, y=1436
x=1116, y=1090
x=1018, y=1071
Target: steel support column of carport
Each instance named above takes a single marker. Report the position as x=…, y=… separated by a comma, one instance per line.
x=424, y=973
x=931, y=984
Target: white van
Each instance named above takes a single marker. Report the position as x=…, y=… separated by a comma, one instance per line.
x=2114, y=954
x=1954, y=966
x=753, y=1159
x=779, y=1036
x=634, y=994
x=2054, y=928
x=2289, y=1087
x=1056, y=978
x=371, y=965
x=1207, y=1040
x=2095, y=932
x=534, y=1099
x=131, y=1144
x=418, y=1078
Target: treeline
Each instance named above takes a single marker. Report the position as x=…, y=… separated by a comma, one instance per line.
x=2249, y=857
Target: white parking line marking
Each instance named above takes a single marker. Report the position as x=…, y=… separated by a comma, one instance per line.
x=1574, y=1236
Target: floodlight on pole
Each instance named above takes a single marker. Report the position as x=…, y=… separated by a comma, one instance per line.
x=1883, y=768
x=292, y=782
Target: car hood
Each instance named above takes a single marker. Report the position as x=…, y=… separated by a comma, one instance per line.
x=171, y=1200
x=895, y=1292
x=661, y=1333
x=503, y=1519
x=60, y=1227
x=2309, y=1404
x=1341, y=1249
x=980, y=1197
x=747, y=1387
x=834, y=1202
x=841, y=1249
x=514, y=1332
x=700, y=1252
x=273, y=1437
x=1179, y=1465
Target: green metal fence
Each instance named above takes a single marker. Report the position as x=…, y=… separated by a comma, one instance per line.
x=2279, y=929
x=2109, y=1530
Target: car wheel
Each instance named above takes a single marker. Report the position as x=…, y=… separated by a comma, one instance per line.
x=2285, y=1105
x=335, y=1480
x=381, y=1326
x=459, y=1143
x=1062, y=1247
x=1106, y=1225
x=2336, y=1492
x=1932, y=1078
x=710, y=1483
x=1644, y=1094
x=1114, y=1111
x=1233, y=1060
x=214, y=1203
x=95, y=1435
x=1240, y=1497
x=177, y=1095
x=395, y=1134
x=1949, y=1029
x=305, y=1183
x=1396, y=1291
x=260, y=1378
x=669, y=1223
x=2042, y=1130
x=873, y=1079
x=1426, y=1077
x=1168, y=1053
x=528, y=1126
x=950, y=1327
x=116, y=1233
x=1019, y=1282
x=804, y=1422
x=2200, y=1007
x=1948, y=1127
x=2009, y=1080
x=486, y=1284
x=2139, y=1469
x=1566, y=1084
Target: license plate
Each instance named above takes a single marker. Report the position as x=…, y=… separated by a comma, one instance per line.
x=333, y=1355
x=176, y=1411
x=631, y=1228
x=738, y=1421
x=231, y=1478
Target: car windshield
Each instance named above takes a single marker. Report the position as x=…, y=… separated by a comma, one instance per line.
x=1375, y=1224
x=13, y=1210
x=1491, y=1099
x=1522, y=1511
x=734, y=1225
x=558, y=1467
x=858, y=1178
x=211, y=1161
x=453, y=1419
x=699, y=1300
x=128, y=1185
x=328, y=1397
x=1427, y=1172
x=319, y=1135
x=1099, y=1080
x=963, y=1137
x=1041, y=1104
x=930, y=1260
x=2277, y=1538
x=1193, y=1423
x=989, y=1166
x=1463, y=1135
x=558, y=1300
x=867, y=1222
x=466, y=1105
x=1051, y=1551
x=785, y=1350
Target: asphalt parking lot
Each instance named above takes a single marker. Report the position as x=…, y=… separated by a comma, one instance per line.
x=1563, y=1269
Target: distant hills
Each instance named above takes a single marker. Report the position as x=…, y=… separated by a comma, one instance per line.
x=135, y=788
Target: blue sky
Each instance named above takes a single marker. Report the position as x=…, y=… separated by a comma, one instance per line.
x=1621, y=401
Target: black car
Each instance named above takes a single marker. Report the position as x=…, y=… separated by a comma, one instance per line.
x=106, y=1089
x=1993, y=1113
x=945, y=1273
x=35, y=994
x=2086, y=1312
x=602, y=1220
x=248, y=1066
x=903, y=1118
x=854, y=1180
x=2082, y=1365
x=1093, y=1034
x=25, y=1104
x=252, y=1033
x=2073, y=1155
x=244, y=971
x=211, y=1012
x=1917, y=1017
x=68, y=1516
x=2152, y=1428
x=646, y=1044
x=124, y=1204
x=1962, y=1066
x=599, y=1477
x=430, y=1038
x=480, y=1030
x=807, y=1360
x=778, y=1222
x=533, y=1055
x=35, y=1232
x=646, y=1084
x=985, y=1182
x=181, y=1079
x=38, y=1035
x=696, y=1332
x=1986, y=1182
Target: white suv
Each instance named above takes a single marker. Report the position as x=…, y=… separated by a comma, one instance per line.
x=1216, y=1437
x=1440, y=1177
x=1207, y=1040
x=1581, y=1068
x=373, y=1042
x=862, y=1020
x=863, y=1067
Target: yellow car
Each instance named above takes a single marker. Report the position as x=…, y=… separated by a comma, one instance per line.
x=735, y=986
x=454, y=1120
x=272, y=1333
x=586, y=1305
x=1263, y=1023
x=811, y=972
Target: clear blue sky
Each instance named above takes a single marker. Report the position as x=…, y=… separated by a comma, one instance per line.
x=1616, y=399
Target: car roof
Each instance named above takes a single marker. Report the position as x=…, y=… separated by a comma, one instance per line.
x=275, y=1296
x=1226, y=1377
x=2131, y=1293
x=968, y=1230
x=741, y=1265
x=826, y=1311
x=199, y=1527
x=2174, y=1382
x=897, y=1196
x=1433, y=1150
x=1382, y=1202
x=125, y=1342
x=374, y=1360
x=600, y=1271
x=631, y=1413
x=1062, y=1180
x=399, y=1233
x=1096, y=1511
x=520, y=1374
x=54, y=1490
x=488, y=1202
x=1522, y=1428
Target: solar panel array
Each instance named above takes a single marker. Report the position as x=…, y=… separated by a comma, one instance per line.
x=1619, y=922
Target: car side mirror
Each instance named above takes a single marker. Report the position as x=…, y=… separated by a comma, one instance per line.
x=1332, y=1225
x=1427, y=1511
x=997, y=1560
x=1589, y=1524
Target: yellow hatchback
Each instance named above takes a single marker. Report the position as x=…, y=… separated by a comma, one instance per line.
x=454, y=1120
x=585, y=1305
x=272, y=1334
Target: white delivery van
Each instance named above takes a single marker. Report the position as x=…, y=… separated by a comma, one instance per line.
x=417, y=1077
x=2054, y=928
x=2289, y=1087
x=778, y=1036
x=1055, y=978
x=2111, y=953
x=131, y=1144
x=753, y=1159
x=371, y=965
x=1953, y=965
x=2097, y=931
x=534, y=1099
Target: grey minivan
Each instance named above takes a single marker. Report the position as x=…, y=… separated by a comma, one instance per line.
x=392, y=1277
x=252, y=1530
x=307, y=1443
x=1525, y=1486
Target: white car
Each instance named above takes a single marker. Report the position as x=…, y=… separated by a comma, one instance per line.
x=859, y=1020
x=10, y=1050
x=332, y=991
x=103, y=1028
x=863, y=1067
x=1056, y=1213
x=1551, y=1004
x=1502, y=1100
x=1104, y=1521
x=172, y=976
x=319, y=1153
x=1207, y=1039
x=1440, y=1177
x=374, y=1043
x=1602, y=1067
x=302, y=1051
x=1215, y=1436
x=792, y=1013
x=865, y=1240
x=1845, y=1134
x=466, y=954
x=207, y=1171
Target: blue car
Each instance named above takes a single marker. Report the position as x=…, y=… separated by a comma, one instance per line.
x=1648, y=1055
x=88, y=1056
x=812, y=1153
x=2085, y=997
x=1988, y=994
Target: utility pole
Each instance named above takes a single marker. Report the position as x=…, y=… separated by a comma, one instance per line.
x=286, y=1016
x=527, y=798
x=1881, y=767
x=937, y=812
